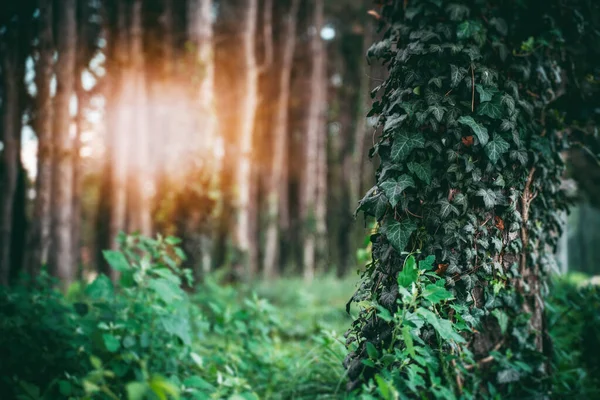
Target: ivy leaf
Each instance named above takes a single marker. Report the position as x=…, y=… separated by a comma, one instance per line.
x=508, y=101
x=479, y=130
x=404, y=143
x=374, y=203
x=447, y=208
x=372, y=351
x=427, y=263
x=496, y=148
x=502, y=319
x=393, y=189
x=489, y=197
x=409, y=273
x=437, y=111
x=408, y=340
x=442, y=326
x=484, y=94
x=491, y=109
x=456, y=75
x=422, y=171
x=394, y=122
x=436, y=294
x=398, y=233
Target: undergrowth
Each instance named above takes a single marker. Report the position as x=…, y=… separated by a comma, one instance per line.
x=147, y=338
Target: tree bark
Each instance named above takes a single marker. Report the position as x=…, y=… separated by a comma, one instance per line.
x=315, y=182
x=61, y=263
x=277, y=184
x=139, y=173
x=245, y=239
x=38, y=236
x=11, y=116
x=119, y=129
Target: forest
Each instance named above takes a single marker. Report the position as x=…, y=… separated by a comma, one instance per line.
x=299, y=199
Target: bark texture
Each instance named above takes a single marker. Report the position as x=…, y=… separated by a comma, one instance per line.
x=61, y=262
x=277, y=184
x=314, y=192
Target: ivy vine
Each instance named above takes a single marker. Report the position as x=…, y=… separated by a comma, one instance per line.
x=471, y=137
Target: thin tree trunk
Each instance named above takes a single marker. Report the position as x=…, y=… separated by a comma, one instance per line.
x=61, y=263
x=9, y=54
x=38, y=236
x=267, y=26
x=315, y=182
x=277, y=184
x=245, y=240
x=119, y=130
x=141, y=188
x=200, y=34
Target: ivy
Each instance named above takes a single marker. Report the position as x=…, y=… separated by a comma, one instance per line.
x=469, y=174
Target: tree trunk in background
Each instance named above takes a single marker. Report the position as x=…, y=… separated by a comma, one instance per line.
x=119, y=129
x=38, y=236
x=141, y=186
x=245, y=238
x=200, y=35
x=277, y=184
x=11, y=133
x=61, y=263
x=315, y=182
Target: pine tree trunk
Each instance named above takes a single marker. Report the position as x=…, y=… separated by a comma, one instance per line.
x=119, y=129
x=277, y=184
x=61, y=263
x=245, y=239
x=139, y=213
x=38, y=236
x=204, y=127
x=315, y=181
x=11, y=133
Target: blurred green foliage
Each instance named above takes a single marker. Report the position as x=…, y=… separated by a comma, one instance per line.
x=149, y=338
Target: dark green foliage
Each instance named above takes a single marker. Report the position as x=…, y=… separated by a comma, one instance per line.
x=472, y=97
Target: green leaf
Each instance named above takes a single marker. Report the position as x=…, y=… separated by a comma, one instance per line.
x=427, y=263
x=404, y=143
x=116, y=260
x=484, y=94
x=409, y=273
x=502, y=319
x=102, y=288
x=437, y=111
x=479, y=130
x=456, y=75
x=421, y=170
x=111, y=343
x=393, y=189
x=398, y=233
x=372, y=351
x=436, y=294
x=198, y=383
x=490, y=109
x=166, y=290
x=65, y=388
x=496, y=148
x=136, y=390
x=489, y=197
x=443, y=327
x=447, y=208
x=408, y=340
x=374, y=203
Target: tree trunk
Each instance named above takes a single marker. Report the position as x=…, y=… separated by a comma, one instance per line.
x=61, y=263
x=38, y=236
x=11, y=117
x=203, y=133
x=119, y=129
x=245, y=239
x=315, y=181
x=277, y=184
x=139, y=173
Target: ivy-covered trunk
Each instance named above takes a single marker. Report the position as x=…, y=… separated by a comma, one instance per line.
x=467, y=200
